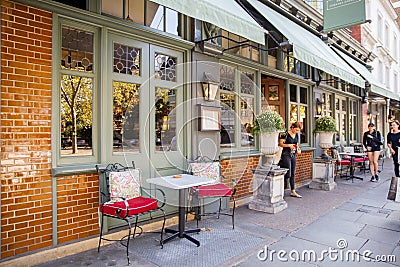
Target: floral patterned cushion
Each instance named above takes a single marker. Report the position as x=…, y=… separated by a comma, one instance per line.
x=124, y=184
x=206, y=169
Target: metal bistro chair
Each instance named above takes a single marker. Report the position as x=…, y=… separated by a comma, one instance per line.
x=340, y=163
x=122, y=197
x=205, y=167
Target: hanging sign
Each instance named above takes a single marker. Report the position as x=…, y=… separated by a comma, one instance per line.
x=340, y=14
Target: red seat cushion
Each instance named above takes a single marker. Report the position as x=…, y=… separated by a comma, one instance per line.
x=137, y=205
x=359, y=160
x=214, y=190
x=344, y=162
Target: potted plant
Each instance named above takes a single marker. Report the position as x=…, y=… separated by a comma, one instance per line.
x=325, y=127
x=268, y=124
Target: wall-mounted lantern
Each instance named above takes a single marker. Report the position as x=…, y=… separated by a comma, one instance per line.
x=319, y=104
x=210, y=87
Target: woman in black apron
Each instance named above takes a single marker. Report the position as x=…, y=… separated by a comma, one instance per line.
x=289, y=142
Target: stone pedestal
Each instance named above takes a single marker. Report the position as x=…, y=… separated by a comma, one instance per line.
x=268, y=190
x=323, y=174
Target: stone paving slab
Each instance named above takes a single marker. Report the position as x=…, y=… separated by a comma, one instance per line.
x=330, y=238
x=345, y=215
x=378, y=248
x=335, y=225
x=381, y=222
x=381, y=235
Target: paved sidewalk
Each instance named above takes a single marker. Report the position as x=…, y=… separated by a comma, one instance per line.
x=355, y=216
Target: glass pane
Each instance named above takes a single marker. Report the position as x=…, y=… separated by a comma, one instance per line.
x=293, y=113
x=76, y=49
x=293, y=93
x=155, y=16
x=227, y=76
x=126, y=59
x=76, y=115
x=172, y=21
x=328, y=101
x=227, y=120
x=303, y=124
x=165, y=67
x=247, y=83
x=344, y=104
x=165, y=112
x=303, y=95
x=246, y=118
x=126, y=117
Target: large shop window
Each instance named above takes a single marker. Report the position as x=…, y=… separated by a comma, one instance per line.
x=143, y=12
x=299, y=110
x=341, y=119
x=237, y=103
x=76, y=92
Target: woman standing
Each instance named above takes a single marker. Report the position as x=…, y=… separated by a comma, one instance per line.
x=372, y=142
x=289, y=142
x=393, y=140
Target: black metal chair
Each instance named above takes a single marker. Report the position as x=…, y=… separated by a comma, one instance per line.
x=123, y=198
x=205, y=167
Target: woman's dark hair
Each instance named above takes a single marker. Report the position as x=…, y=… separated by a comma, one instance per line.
x=397, y=122
x=295, y=125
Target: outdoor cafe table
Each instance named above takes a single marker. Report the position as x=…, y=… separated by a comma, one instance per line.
x=184, y=182
x=352, y=157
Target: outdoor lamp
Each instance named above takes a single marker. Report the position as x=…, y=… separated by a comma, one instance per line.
x=210, y=88
x=319, y=107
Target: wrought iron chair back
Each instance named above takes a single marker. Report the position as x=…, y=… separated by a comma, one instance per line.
x=205, y=167
x=123, y=197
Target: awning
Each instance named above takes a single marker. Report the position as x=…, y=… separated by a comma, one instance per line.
x=226, y=14
x=376, y=87
x=308, y=48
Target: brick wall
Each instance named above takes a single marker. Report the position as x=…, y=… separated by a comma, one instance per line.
x=303, y=167
x=78, y=201
x=356, y=32
x=26, y=217
x=240, y=169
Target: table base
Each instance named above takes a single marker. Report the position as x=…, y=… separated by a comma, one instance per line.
x=177, y=233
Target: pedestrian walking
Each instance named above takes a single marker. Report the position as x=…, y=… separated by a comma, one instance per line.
x=393, y=143
x=289, y=142
x=372, y=143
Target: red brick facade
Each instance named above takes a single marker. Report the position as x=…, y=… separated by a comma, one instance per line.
x=77, y=204
x=26, y=204
x=240, y=169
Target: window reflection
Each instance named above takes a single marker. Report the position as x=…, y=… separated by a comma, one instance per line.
x=247, y=118
x=76, y=115
x=227, y=119
x=125, y=117
x=165, y=119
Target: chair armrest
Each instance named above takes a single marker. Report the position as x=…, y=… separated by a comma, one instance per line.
x=148, y=193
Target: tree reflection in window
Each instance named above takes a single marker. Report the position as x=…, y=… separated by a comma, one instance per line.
x=76, y=115
x=165, y=119
x=126, y=126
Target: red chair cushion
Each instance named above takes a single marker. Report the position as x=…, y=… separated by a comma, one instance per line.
x=214, y=190
x=137, y=205
x=344, y=162
x=357, y=160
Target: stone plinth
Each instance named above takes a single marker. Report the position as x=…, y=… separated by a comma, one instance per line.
x=323, y=174
x=268, y=190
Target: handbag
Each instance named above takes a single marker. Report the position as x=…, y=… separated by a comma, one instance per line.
x=394, y=190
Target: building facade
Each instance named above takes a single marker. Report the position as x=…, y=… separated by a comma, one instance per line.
x=96, y=82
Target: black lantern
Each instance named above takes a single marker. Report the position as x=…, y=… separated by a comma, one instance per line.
x=319, y=107
x=210, y=88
